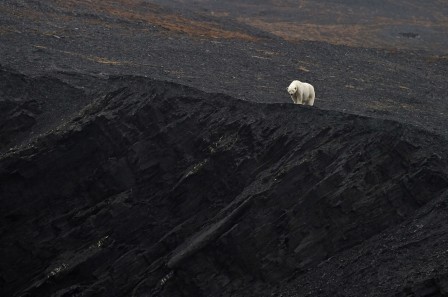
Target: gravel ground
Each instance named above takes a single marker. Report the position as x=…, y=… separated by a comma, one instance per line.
x=231, y=58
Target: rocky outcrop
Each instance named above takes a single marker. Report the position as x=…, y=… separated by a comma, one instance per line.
x=31, y=106
x=157, y=189
x=18, y=109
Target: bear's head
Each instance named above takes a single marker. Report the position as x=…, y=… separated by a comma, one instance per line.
x=292, y=89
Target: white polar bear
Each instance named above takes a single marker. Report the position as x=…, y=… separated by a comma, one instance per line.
x=301, y=93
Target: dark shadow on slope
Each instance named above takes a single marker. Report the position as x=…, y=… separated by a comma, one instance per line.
x=157, y=188
x=32, y=106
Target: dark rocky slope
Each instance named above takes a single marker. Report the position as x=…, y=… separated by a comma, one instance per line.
x=30, y=106
x=220, y=55
x=157, y=189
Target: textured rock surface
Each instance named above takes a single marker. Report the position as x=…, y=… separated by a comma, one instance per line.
x=160, y=189
x=115, y=185
x=64, y=39
x=30, y=106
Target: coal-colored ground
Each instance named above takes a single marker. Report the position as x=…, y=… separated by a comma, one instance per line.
x=220, y=55
x=160, y=189
x=129, y=166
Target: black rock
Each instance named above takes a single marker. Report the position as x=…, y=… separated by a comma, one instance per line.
x=158, y=189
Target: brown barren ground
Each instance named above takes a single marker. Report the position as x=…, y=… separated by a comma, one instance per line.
x=127, y=11
x=376, y=24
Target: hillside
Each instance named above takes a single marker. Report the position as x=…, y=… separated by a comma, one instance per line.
x=151, y=149
x=132, y=194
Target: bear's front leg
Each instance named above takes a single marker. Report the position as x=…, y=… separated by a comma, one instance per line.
x=293, y=98
x=299, y=98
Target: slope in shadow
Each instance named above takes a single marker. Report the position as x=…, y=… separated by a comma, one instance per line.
x=156, y=188
x=30, y=106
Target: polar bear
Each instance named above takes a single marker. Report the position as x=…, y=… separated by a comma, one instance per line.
x=301, y=93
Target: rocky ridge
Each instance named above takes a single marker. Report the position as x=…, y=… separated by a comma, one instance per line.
x=158, y=189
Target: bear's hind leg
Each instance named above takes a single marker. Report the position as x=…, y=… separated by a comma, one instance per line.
x=311, y=99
